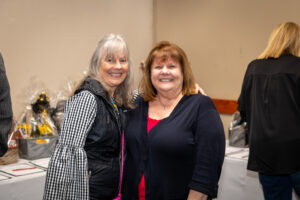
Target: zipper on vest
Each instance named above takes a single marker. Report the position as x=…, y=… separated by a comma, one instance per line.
x=117, y=118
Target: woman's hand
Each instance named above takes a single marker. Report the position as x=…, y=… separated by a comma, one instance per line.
x=199, y=90
x=195, y=195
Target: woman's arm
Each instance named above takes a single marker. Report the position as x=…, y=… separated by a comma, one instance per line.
x=210, y=149
x=242, y=100
x=68, y=164
x=195, y=195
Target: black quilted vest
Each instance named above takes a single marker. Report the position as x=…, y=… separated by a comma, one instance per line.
x=103, y=143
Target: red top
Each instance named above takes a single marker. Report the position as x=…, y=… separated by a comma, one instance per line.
x=151, y=123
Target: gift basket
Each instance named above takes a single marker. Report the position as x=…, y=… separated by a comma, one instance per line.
x=36, y=132
x=39, y=125
x=59, y=101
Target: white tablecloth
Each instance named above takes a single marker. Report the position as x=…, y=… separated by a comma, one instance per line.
x=236, y=182
x=24, y=187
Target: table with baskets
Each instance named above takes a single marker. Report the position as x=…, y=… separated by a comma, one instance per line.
x=23, y=180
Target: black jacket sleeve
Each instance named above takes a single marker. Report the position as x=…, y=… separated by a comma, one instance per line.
x=5, y=108
x=242, y=98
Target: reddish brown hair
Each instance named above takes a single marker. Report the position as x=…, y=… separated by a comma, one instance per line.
x=161, y=50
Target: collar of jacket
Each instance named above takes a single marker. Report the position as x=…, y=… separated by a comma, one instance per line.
x=94, y=86
x=97, y=89
x=281, y=56
x=286, y=54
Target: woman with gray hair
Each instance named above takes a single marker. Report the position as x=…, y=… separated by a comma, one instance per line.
x=88, y=160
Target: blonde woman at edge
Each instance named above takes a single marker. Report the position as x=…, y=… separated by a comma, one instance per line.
x=270, y=103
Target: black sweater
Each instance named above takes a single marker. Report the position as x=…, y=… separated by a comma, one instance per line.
x=270, y=103
x=183, y=151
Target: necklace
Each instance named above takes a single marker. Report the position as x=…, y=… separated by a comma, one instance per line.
x=164, y=107
x=113, y=101
x=170, y=103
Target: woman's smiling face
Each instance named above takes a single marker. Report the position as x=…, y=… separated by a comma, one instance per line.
x=113, y=69
x=166, y=74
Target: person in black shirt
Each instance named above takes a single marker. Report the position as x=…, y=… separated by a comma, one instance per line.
x=270, y=104
x=6, y=114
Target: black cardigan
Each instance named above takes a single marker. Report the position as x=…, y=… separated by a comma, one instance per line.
x=183, y=151
x=270, y=103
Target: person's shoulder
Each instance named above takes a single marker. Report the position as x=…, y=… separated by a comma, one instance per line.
x=293, y=58
x=256, y=62
x=2, y=68
x=200, y=99
x=254, y=65
x=138, y=100
x=83, y=96
x=200, y=102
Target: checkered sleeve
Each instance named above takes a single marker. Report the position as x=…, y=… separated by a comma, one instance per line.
x=67, y=174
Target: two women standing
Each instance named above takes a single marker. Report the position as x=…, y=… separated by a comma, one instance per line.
x=175, y=138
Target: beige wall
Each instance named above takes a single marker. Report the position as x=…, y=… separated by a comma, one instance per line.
x=51, y=41
x=221, y=37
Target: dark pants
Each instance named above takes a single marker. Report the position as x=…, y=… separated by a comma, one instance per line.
x=280, y=187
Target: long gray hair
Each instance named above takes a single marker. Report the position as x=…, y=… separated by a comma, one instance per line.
x=108, y=46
